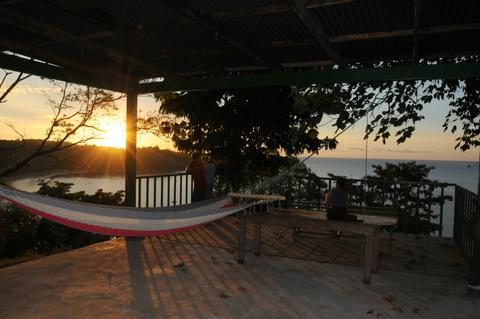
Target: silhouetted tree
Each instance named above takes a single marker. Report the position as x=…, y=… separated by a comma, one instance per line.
x=74, y=113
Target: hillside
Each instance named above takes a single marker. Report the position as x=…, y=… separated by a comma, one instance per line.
x=95, y=160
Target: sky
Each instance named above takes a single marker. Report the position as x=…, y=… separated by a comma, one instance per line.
x=27, y=108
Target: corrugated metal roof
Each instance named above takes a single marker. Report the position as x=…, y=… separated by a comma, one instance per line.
x=166, y=38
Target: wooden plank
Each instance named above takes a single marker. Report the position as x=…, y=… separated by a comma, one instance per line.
x=315, y=29
x=257, y=196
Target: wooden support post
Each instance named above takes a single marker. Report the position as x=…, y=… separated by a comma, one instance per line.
x=367, y=267
x=242, y=228
x=375, y=251
x=131, y=149
x=258, y=239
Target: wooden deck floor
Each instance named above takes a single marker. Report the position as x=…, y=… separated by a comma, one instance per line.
x=194, y=275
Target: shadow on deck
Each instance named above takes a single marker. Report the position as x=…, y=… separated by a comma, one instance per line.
x=186, y=275
x=409, y=253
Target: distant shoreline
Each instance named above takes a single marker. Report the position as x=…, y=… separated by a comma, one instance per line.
x=474, y=161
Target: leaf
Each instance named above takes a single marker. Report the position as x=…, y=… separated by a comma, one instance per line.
x=224, y=295
x=179, y=265
x=389, y=298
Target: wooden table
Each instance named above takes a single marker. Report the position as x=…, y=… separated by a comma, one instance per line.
x=313, y=221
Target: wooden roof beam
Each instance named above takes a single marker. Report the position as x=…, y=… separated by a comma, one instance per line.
x=416, y=27
x=285, y=65
x=315, y=29
x=220, y=31
x=14, y=63
x=269, y=9
x=55, y=58
x=394, y=73
x=374, y=35
x=42, y=29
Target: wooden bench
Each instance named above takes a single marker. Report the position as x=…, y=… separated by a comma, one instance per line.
x=385, y=216
x=370, y=230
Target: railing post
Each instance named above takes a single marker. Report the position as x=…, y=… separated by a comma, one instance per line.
x=155, y=191
x=139, y=204
x=442, y=194
x=180, y=188
x=476, y=262
x=147, y=191
x=131, y=148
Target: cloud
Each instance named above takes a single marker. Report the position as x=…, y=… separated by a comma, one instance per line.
x=389, y=150
x=25, y=89
x=356, y=149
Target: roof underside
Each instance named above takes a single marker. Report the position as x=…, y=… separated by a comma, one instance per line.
x=121, y=40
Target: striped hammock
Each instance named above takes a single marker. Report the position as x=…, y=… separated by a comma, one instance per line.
x=123, y=221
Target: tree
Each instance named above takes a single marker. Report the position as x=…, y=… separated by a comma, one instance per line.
x=20, y=77
x=74, y=113
x=395, y=106
x=3, y=98
x=244, y=130
x=407, y=189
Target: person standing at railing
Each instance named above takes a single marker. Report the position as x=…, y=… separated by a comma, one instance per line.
x=195, y=167
x=336, y=203
x=209, y=168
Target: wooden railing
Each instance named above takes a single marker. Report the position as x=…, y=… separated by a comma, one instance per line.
x=164, y=190
x=467, y=229
x=309, y=193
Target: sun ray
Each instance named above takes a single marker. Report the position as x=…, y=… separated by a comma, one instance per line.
x=114, y=135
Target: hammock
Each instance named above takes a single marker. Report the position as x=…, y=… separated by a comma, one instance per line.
x=124, y=221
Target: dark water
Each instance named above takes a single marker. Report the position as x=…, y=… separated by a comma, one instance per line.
x=462, y=173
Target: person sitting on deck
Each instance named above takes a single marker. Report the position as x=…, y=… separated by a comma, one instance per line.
x=336, y=203
x=195, y=167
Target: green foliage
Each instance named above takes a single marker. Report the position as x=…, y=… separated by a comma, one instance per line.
x=301, y=187
x=18, y=233
x=403, y=188
x=406, y=188
x=24, y=233
x=395, y=107
x=243, y=130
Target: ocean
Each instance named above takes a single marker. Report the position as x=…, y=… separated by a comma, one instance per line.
x=462, y=173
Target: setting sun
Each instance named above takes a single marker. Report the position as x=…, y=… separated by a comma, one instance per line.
x=114, y=135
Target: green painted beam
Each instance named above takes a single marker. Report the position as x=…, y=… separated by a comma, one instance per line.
x=405, y=72
x=14, y=63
